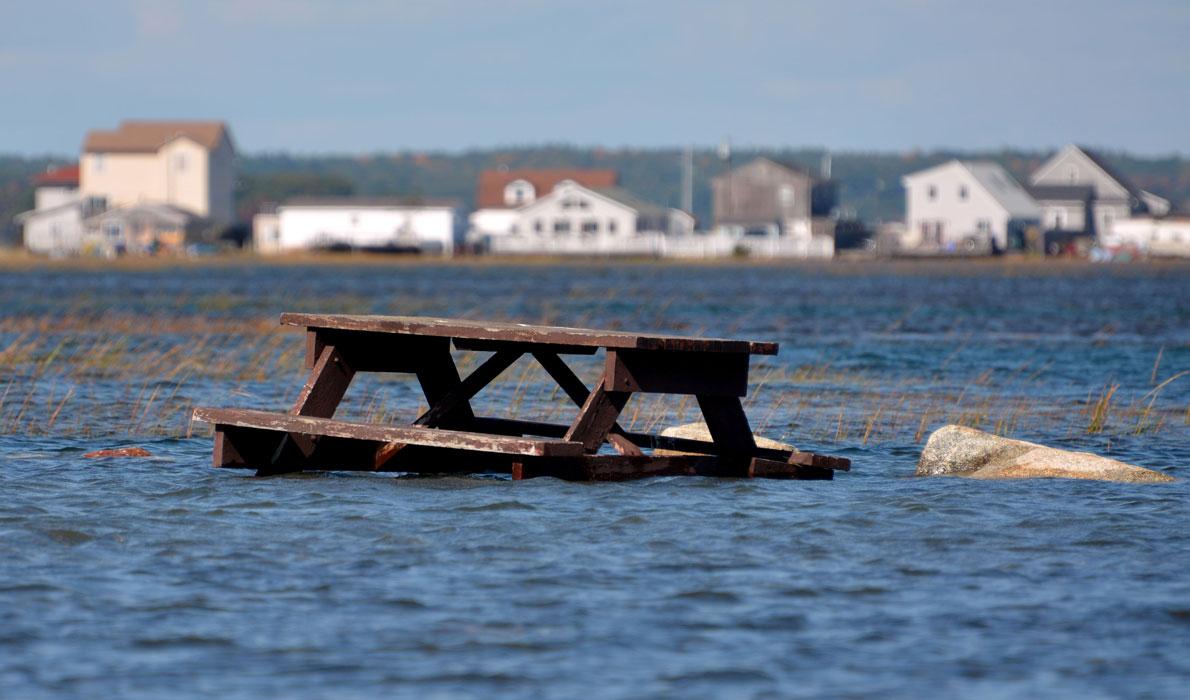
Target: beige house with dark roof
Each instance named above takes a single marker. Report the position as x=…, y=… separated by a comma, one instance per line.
x=185, y=164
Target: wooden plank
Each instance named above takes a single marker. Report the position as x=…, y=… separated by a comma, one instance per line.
x=494, y=345
x=325, y=387
x=578, y=393
x=720, y=374
x=524, y=333
x=727, y=424
x=469, y=387
x=761, y=468
x=623, y=468
x=428, y=437
x=596, y=417
x=373, y=352
x=508, y=426
x=438, y=376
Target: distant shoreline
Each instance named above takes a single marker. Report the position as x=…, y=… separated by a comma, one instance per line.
x=16, y=260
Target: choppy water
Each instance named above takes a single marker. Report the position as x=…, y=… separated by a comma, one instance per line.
x=162, y=577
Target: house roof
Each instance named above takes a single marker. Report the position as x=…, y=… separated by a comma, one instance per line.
x=628, y=199
x=492, y=182
x=1067, y=193
x=352, y=202
x=148, y=136
x=1098, y=159
x=151, y=211
x=1000, y=185
x=785, y=164
x=65, y=176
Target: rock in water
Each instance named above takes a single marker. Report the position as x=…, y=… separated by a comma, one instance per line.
x=119, y=452
x=953, y=450
x=699, y=431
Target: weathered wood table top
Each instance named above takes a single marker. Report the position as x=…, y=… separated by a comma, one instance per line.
x=525, y=333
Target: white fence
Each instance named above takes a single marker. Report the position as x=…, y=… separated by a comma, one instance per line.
x=660, y=245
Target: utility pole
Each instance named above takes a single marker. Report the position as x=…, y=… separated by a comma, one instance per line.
x=688, y=180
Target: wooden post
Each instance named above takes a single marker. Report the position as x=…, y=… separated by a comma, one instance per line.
x=596, y=417
x=578, y=393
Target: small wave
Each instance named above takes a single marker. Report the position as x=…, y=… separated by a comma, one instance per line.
x=69, y=537
x=186, y=640
x=709, y=596
x=497, y=506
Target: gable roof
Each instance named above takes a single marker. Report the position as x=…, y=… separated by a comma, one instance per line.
x=1098, y=159
x=148, y=136
x=623, y=196
x=65, y=176
x=1003, y=188
x=789, y=166
x=493, y=182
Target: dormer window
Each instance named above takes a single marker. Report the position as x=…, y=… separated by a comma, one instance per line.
x=518, y=192
x=563, y=183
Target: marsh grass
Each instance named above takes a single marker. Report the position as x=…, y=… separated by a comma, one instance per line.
x=111, y=374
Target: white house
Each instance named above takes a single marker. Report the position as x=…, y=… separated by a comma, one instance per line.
x=1113, y=197
x=1158, y=237
x=969, y=206
x=573, y=219
x=359, y=223
x=503, y=191
x=55, y=224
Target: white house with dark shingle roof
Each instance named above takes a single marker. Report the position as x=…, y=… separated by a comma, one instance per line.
x=967, y=206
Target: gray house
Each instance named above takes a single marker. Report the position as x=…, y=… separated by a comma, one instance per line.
x=775, y=200
x=1080, y=192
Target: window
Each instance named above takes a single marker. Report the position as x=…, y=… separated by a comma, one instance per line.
x=180, y=162
x=933, y=193
x=590, y=226
x=786, y=193
x=518, y=192
x=611, y=225
x=562, y=226
x=98, y=162
x=984, y=225
x=963, y=192
x=1072, y=174
x=538, y=226
x=1059, y=218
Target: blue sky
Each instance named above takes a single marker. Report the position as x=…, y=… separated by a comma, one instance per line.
x=315, y=76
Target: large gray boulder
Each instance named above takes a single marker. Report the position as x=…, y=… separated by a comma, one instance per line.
x=699, y=431
x=957, y=451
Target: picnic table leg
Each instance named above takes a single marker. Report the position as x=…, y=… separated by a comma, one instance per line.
x=578, y=393
x=319, y=398
x=728, y=425
x=439, y=376
x=597, y=416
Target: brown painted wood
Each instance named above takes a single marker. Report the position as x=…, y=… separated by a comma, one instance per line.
x=438, y=375
x=596, y=417
x=374, y=352
x=325, y=387
x=761, y=468
x=727, y=424
x=469, y=387
x=718, y=374
x=471, y=344
x=427, y=437
x=508, y=426
x=524, y=333
x=577, y=391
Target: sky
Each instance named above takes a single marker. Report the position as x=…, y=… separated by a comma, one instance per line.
x=326, y=76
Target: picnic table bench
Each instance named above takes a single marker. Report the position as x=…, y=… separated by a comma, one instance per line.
x=450, y=438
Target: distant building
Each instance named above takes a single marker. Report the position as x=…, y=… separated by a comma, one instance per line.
x=967, y=206
x=1158, y=237
x=1066, y=215
x=502, y=192
x=358, y=223
x=147, y=228
x=765, y=199
x=55, y=225
x=185, y=164
x=1113, y=197
x=574, y=219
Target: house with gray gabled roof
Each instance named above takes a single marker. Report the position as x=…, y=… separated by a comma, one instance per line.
x=1113, y=195
x=967, y=206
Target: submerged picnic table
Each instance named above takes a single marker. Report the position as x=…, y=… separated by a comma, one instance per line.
x=450, y=438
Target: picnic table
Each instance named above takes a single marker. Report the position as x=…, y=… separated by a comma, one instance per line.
x=449, y=437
